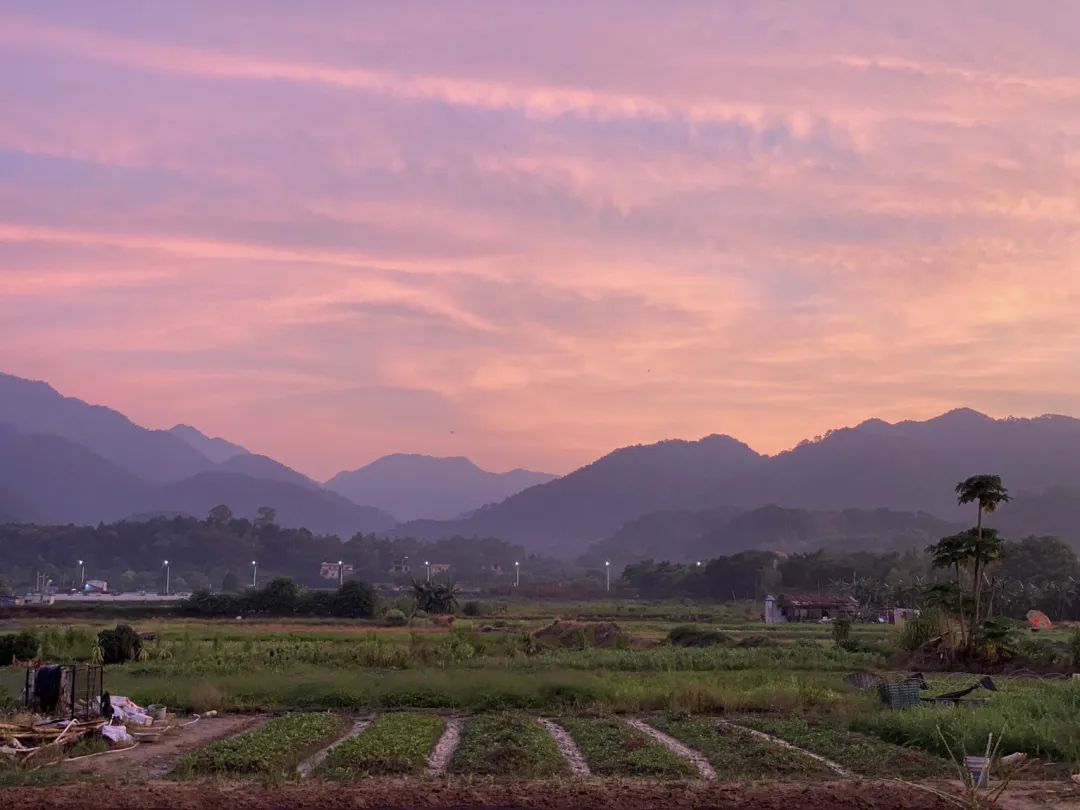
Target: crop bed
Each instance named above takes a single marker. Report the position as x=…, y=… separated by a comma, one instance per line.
x=273, y=750
x=395, y=744
x=507, y=744
x=861, y=753
x=739, y=757
x=613, y=748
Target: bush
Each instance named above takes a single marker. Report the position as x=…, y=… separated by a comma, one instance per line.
x=395, y=618
x=928, y=625
x=473, y=608
x=841, y=632
x=22, y=645
x=689, y=635
x=119, y=645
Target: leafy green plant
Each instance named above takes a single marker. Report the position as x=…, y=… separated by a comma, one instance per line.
x=395, y=744
x=692, y=635
x=507, y=744
x=273, y=750
x=613, y=748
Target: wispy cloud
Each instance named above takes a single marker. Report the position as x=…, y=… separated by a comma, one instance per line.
x=354, y=231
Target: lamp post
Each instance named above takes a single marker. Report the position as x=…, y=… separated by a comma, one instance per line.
x=340, y=573
x=166, y=564
x=517, y=574
x=607, y=571
x=82, y=575
x=428, y=566
x=254, y=574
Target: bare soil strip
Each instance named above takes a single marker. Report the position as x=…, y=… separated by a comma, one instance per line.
x=445, y=747
x=567, y=747
x=704, y=769
x=835, y=767
x=424, y=794
x=155, y=759
x=305, y=768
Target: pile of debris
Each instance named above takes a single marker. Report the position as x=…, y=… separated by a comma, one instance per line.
x=573, y=635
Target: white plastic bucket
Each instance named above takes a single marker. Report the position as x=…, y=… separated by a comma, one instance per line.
x=979, y=769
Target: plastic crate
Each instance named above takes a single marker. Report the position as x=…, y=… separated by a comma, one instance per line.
x=900, y=695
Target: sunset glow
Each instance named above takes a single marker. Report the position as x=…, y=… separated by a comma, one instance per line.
x=531, y=233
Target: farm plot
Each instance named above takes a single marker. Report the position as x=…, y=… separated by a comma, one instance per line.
x=273, y=750
x=612, y=748
x=739, y=757
x=507, y=744
x=861, y=753
x=395, y=744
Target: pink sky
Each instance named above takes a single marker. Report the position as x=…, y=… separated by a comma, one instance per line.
x=532, y=232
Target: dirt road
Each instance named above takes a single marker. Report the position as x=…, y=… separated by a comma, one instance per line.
x=154, y=760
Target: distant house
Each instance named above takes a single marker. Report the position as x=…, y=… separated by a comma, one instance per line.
x=96, y=586
x=439, y=568
x=331, y=570
x=400, y=566
x=802, y=607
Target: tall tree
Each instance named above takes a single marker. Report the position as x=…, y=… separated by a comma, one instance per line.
x=988, y=493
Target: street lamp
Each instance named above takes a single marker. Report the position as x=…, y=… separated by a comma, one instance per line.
x=428, y=566
x=698, y=563
x=166, y=564
x=82, y=575
x=254, y=573
x=517, y=574
x=340, y=573
x=607, y=570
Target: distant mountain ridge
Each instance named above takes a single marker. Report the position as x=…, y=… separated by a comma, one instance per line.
x=217, y=450
x=411, y=486
x=909, y=466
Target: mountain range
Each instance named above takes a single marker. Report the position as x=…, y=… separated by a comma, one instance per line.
x=909, y=466
x=63, y=460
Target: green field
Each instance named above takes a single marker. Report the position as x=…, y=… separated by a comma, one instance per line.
x=319, y=676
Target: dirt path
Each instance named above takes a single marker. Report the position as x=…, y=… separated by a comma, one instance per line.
x=835, y=767
x=423, y=794
x=305, y=768
x=704, y=769
x=445, y=747
x=567, y=747
x=154, y=760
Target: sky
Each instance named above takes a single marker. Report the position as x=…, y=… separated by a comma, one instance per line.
x=533, y=232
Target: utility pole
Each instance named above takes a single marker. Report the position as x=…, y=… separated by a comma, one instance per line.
x=607, y=570
x=254, y=574
x=82, y=575
x=517, y=574
x=428, y=566
x=340, y=573
x=166, y=564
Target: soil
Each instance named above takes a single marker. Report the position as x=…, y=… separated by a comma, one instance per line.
x=445, y=747
x=567, y=747
x=704, y=769
x=584, y=794
x=153, y=760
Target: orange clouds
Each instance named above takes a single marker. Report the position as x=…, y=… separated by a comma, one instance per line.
x=339, y=236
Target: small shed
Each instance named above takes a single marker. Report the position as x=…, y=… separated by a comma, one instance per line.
x=802, y=607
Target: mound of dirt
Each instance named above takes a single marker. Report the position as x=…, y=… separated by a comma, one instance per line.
x=574, y=635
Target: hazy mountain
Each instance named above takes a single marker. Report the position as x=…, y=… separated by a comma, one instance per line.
x=50, y=478
x=566, y=514
x=909, y=466
x=256, y=466
x=153, y=455
x=689, y=536
x=913, y=465
x=416, y=486
x=316, y=509
x=217, y=450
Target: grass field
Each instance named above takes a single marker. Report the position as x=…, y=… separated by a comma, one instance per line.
x=786, y=681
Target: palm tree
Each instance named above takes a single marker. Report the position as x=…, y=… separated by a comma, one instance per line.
x=953, y=552
x=988, y=492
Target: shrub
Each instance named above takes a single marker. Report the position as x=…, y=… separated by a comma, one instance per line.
x=689, y=635
x=119, y=645
x=928, y=625
x=22, y=645
x=395, y=618
x=1074, y=647
x=841, y=632
x=472, y=608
